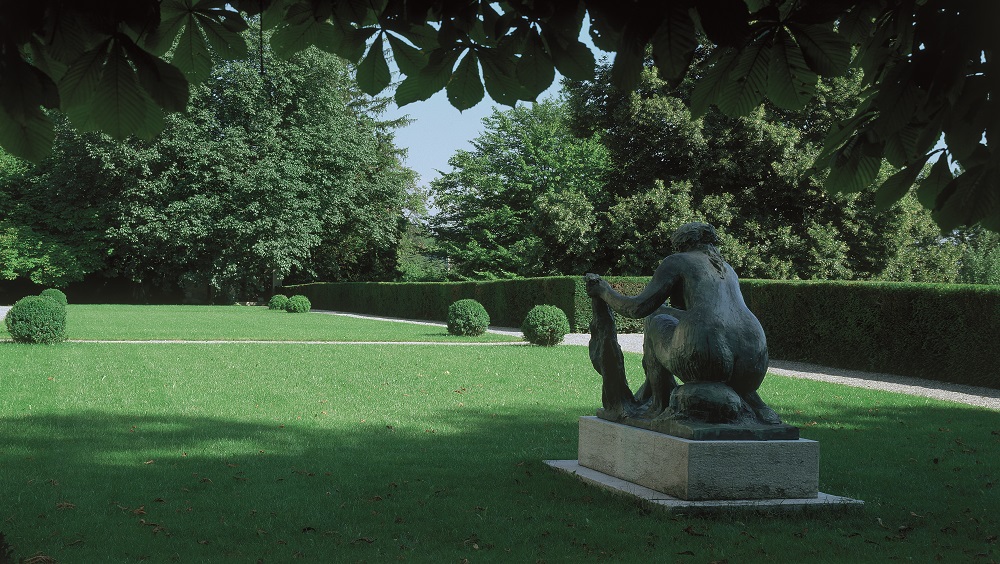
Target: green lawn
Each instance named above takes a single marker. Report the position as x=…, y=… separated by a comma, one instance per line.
x=275, y=452
x=239, y=323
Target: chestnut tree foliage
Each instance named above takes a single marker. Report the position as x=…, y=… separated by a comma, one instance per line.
x=286, y=173
x=929, y=68
x=51, y=231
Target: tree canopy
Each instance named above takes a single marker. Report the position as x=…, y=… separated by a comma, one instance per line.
x=600, y=181
x=293, y=171
x=521, y=202
x=929, y=67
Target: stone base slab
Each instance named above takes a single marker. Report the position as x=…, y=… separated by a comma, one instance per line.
x=821, y=503
x=701, y=470
x=699, y=431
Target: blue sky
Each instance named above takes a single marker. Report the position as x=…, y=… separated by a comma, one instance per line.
x=438, y=130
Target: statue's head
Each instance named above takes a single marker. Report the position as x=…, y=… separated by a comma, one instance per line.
x=690, y=235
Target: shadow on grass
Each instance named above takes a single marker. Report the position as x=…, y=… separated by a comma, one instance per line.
x=931, y=469
x=96, y=487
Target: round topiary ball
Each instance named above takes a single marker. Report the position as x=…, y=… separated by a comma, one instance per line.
x=298, y=304
x=467, y=317
x=55, y=294
x=34, y=319
x=545, y=325
x=277, y=301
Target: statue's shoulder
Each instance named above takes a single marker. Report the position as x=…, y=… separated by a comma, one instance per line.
x=677, y=263
x=688, y=258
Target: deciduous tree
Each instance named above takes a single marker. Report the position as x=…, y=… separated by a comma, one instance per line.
x=750, y=176
x=521, y=202
x=981, y=260
x=286, y=173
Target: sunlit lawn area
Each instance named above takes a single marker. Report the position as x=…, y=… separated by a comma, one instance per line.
x=340, y=453
x=240, y=323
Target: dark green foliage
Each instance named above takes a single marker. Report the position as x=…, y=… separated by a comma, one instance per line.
x=943, y=332
x=302, y=180
x=54, y=241
x=522, y=202
x=752, y=177
x=627, y=285
x=298, y=304
x=417, y=256
x=981, y=261
x=55, y=294
x=34, y=319
x=545, y=325
x=6, y=551
x=277, y=301
x=600, y=182
x=467, y=317
x=928, y=65
x=295, y=170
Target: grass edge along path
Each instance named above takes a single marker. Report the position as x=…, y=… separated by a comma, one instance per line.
x=242, y=323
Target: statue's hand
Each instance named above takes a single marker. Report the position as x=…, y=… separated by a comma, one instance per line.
x=594, y=283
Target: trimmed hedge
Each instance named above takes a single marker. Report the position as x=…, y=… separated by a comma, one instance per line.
x=584, y=312
x=508, y=301
x=944, y=332
x=937, y=331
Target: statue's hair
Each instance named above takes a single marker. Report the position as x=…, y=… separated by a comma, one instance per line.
x=695, y=235
x=691, y=235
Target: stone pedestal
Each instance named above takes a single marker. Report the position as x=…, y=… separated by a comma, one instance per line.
x=701, y=470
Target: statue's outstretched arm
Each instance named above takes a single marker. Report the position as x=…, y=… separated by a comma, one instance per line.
x=648, y=301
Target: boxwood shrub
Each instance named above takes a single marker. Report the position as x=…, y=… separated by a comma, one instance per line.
x=467, y=317
x=298, y=304
x=277, y=301
x=545, y=325
x=54, y=294
x=34, y=319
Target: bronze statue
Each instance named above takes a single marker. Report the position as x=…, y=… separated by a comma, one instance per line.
x=706, y=336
